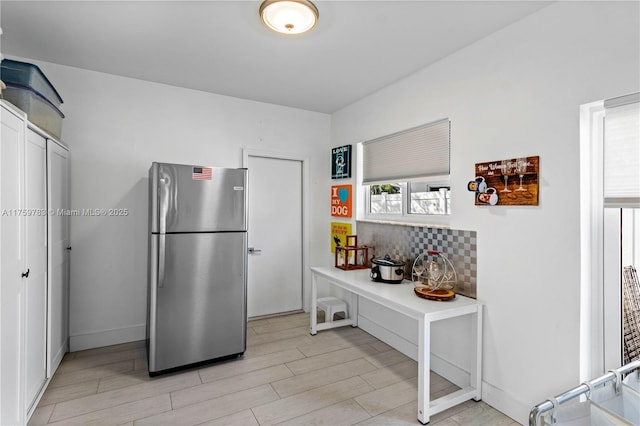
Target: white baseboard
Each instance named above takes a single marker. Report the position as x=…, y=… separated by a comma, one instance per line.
x=444, y=368
x=455, y=374
x=497, y=398
x=115, y=336
x=506, y=403
x=388, y=337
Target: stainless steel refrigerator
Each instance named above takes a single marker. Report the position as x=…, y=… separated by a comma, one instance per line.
x=197, y=266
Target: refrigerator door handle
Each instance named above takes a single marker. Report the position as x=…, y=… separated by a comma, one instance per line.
x=161, y=256
x=163, y=201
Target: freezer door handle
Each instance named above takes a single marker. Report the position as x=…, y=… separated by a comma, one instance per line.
x=163, y=204
x=161, y=256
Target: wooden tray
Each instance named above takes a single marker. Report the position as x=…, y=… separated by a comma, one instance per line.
x=440, y=295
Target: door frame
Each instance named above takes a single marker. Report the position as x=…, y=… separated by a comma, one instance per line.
x=600, y=258
x=276, y=155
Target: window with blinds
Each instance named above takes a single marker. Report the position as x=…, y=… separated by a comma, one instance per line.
x=622, y=151
x=418, y=153
x=407, y=173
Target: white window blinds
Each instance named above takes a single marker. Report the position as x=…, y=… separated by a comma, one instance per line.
x=420, y=152
x=622, y=151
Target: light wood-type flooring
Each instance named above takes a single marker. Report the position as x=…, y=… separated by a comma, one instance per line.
x=288, y=377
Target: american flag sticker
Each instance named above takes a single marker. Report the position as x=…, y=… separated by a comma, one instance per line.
x=201, y=173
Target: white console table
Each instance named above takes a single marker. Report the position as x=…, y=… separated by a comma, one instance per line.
x=401, y=298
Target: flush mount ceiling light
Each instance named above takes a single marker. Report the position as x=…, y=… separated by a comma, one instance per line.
x=289, y=16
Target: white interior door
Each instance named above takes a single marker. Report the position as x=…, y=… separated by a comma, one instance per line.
x=275, y=234
x=36, y=255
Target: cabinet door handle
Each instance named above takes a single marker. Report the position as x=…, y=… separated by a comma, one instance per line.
x=26, y=274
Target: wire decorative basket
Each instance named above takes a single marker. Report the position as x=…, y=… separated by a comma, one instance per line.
x=433, y=270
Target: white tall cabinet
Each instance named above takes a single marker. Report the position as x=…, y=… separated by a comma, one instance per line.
x=34, y=260
x=35, y=284
x=12, y=265
x=58, y=256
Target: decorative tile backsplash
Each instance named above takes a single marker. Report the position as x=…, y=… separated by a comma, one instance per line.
x=406, y=242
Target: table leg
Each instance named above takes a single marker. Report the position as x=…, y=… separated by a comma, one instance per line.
x=314, y=304
x=424, y=369
x=354, y=309
x=476, y=376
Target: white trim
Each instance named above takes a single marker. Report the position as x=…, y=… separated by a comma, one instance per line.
x=114, y=336
x=14, y=110
x=591, y=237
x=46, y=135
x=392, y=222
x=306, y=274
x=505, y=402
x=381, y=333
x=622, y=100
x=454, y=373
x=600, y=283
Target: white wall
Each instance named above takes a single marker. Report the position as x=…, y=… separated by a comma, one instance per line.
x=514, y=93
x=115, y=128
x=517, y=93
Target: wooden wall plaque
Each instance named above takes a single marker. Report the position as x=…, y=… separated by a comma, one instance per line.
x=512, y=182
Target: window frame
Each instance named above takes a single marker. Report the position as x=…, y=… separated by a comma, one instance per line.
x=445, y=183
x=363, y=200
x=368, y=214
x=405, y=215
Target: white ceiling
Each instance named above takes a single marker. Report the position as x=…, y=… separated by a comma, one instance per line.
x=221, y=47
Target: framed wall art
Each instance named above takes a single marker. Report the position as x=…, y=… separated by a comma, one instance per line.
x=341, y=200
x=339, y=232
x=341, y=162
x=512, y=182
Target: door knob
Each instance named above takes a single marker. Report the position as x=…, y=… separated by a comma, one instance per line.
x=254, y=250
x=69, y=248
x=26, y=274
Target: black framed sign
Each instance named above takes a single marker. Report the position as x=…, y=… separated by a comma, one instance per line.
x=341, y=162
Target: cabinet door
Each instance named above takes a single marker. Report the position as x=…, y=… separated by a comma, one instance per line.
x=35, y=286
x=12, y=265
x=58, y=196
